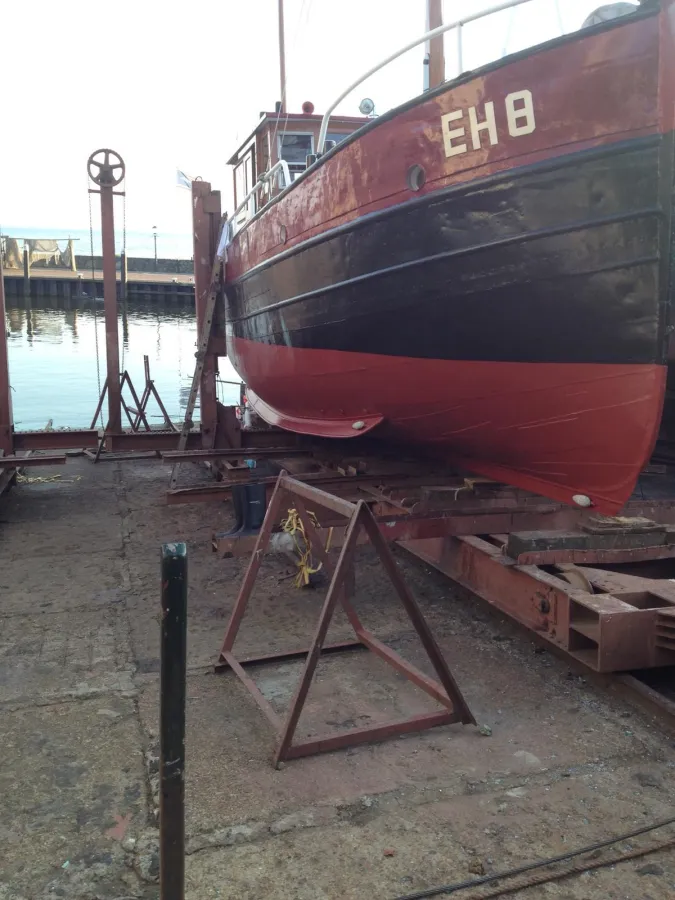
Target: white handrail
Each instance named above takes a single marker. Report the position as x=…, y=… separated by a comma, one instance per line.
x=264, y=179
x=435, y=32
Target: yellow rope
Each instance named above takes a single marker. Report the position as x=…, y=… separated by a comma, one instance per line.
x=294, y=526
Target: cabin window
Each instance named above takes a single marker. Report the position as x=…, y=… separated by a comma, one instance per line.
x=244, y=177
x=295, y=148
x=336, y=137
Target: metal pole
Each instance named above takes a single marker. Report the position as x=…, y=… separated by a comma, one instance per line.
x=172, y=722
x=436, y=54
x=6, y=426
x=123, y=275
x=123, y=298
x=26, y=271
x=154, y=234
x=282, y=57
x=110, y=309
x=460, y=49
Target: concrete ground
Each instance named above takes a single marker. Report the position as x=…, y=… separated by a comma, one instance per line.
x=560, y=765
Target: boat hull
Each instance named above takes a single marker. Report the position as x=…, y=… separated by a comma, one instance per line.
x=514, y=322
x=538, y=425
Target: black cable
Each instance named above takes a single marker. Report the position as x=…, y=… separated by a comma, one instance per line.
x=508, y=873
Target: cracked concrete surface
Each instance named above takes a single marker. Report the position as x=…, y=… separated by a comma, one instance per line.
x=562, y=767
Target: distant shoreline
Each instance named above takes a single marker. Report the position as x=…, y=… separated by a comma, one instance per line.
x=139, y=243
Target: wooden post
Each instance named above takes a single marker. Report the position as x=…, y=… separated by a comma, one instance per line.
x=172, y=722
x=26, y=271
x=206, y=223
x=6, y=424
x=436, y=54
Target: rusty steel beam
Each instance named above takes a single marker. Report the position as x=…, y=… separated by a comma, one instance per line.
x=371, y=733
x=446, y=690
x=600, y=630
x=56, y=440
x=397, y=527
x=112, y=350
x=349, y=485
x=6, y=421
x=150, y=440
x=21, y=462
x=317, y=497
x=227, y=659
x=289, y=656
x=405, y=668
x=173, y=456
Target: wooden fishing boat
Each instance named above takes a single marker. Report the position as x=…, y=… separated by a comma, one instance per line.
x=485, y=272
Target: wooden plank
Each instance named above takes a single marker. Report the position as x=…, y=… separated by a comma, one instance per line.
x=525, y=543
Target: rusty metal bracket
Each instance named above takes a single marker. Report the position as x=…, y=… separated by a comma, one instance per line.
x=360, y=518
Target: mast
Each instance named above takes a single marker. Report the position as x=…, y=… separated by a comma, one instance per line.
x=435, y=58
x=282, y=57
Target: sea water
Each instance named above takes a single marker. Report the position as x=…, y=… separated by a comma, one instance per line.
x=57, y=361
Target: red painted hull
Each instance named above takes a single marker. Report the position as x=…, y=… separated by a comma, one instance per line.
x=552, y=428
x=511, y=316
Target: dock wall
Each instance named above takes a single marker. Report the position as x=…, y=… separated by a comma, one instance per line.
x=172, y=280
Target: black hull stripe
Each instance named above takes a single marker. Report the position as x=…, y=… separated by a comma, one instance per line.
x=556, y=163
x=603, y=270
x=466, y=251
x=566, y=264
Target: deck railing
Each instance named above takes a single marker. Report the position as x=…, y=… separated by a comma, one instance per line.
x=248, y=203
x=457, y=24
x=435, y=32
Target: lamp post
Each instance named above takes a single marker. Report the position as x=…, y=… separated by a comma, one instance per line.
x=154, y=234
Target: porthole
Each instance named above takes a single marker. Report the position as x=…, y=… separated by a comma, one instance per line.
x=416, y=177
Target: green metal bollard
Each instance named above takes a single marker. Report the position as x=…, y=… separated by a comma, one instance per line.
x=172, y=722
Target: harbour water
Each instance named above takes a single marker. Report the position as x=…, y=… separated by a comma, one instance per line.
x=56, y=370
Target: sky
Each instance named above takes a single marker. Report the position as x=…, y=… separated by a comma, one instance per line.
x=171, y=85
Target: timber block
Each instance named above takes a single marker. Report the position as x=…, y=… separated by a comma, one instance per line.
x=532, y=541
x=619, y=524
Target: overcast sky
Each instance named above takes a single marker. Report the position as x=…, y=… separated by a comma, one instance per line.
x=172, y=85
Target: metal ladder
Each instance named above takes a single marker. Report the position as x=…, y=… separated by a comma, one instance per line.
x=200, y=355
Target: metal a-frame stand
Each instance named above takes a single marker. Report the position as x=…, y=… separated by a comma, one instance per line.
x=446, y=693
x=136, y=415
